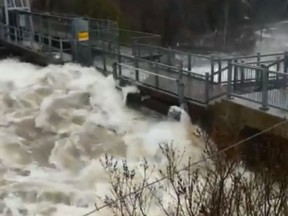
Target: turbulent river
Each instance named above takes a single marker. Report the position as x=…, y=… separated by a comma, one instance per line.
x=57, y=122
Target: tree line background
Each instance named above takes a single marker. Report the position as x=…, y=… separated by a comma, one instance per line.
x=175, y=20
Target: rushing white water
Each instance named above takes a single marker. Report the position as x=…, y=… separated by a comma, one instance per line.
x=57, y=122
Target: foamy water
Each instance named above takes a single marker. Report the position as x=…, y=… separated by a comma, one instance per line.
x=57, y=122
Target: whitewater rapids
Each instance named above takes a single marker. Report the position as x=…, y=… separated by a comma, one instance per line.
x=56, y=123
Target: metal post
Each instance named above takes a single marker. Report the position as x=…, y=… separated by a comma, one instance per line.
x=180, y=74
x=156, y=76
x=31, y=34
x=285, y=70
x=138, y=49
x=114, y=66
x=242, y=75
x=235, y=74
x=136, y=65
x=189, y=62
x=134, y=49
x=104, y=57
x=207, y=86
x=258, y=73
x=265, y=78
x=16, y=35
x=277, y=69
x=7, y=17
x=42, y=28
x=229, y=80
x=212, y=69
x=181, y=88
x=150, y=51
x=49, y=36
x=119, y=60
x=169, y=58
x=219, y=71
x=61, y=48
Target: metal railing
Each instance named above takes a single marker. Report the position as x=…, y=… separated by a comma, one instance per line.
x=94, y=23
x=123, y=38
x=258, y=84
x=36, y=42
x=194, y=87
x=189, y=77
x=43, y=23
x=59, y=25
x=274, y=62
x=191, y=62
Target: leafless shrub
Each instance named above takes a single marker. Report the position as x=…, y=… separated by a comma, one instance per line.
x=220, y=188
x=123, y=182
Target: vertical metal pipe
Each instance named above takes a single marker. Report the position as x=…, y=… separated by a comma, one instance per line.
x=229, y=80
x=212, y=69
x=265, y=78
x=207, y=86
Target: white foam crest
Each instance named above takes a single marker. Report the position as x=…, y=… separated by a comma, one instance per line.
x=60, y=121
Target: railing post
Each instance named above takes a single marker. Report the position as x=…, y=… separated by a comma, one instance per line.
x=181, y=88
x=277, y=69
x=219, y=71
x=133, y=47
x=169, y=60
x=258, y=59
x=150, y=51
x=189, y=62
x=119, y=61
x=180, y=74
x=104, y=57
x=207, y=86
x=138, y=49
x=235, y=74
x=265, y=78
x=242, y=74
x=136, y=65
x=16, y=35
x=258, y=73
x=285, y=70
x=229, y=80
x=42, y=28
x=31, y=38
x=156, y=77
x=61, y=49
x=212, y=69
x=114, y=66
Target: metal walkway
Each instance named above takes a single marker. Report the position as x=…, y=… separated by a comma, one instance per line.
x=138, y=58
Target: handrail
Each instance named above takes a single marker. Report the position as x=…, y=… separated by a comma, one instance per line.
x=148, y=72
x=31, y=33
x=221, y=70
x=276, y=62
x=173, y=50
x=74, y=15
x=257, y=68
x=252, y=56
x=263, y=62
x=173, y=68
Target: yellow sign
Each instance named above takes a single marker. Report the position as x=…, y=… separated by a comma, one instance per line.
x=83, y=36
